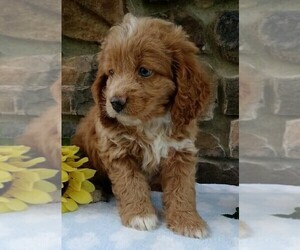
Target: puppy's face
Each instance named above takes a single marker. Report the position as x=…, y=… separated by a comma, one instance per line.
x=139, y=86
x=148, y=68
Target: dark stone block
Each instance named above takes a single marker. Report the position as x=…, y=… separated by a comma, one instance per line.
x=194, y=28
x=209, y=145
x=234, y=139
x=111, y=11
x=34, y=102
x=218, y=172
x=168, y=15
x=82, y=100
x=80, y=24
x=231, y=96
x=157, y=1
x=227, y=35
x=79, y=70
x=287, y=96
x=90, y=77
x=69, y=128
x=280, y=33
x=72, y=47
x=11, y=128
x=65, y=104
x=205, y=3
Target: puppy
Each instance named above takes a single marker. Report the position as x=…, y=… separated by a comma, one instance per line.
x=148, y=92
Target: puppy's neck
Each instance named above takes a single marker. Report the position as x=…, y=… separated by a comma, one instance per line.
x=152, y=127
x=154, y=124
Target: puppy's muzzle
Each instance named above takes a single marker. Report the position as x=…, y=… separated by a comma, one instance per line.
x=118, y=103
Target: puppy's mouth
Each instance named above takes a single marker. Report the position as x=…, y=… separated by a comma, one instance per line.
x=120, y=113
x=126, y=114
x=128, y=120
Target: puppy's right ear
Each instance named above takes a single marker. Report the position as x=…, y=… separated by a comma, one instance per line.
x=98, y=91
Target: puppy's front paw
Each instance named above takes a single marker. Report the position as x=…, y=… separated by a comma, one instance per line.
x=144, y=222
x=187, y=224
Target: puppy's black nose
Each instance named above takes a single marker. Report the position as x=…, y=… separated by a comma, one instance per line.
x=118, y=103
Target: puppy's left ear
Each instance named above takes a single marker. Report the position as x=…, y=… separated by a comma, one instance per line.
x=193, y=88
x=98, y=89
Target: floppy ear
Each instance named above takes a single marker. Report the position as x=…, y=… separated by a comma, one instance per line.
x=98, y=89
x=192, y=88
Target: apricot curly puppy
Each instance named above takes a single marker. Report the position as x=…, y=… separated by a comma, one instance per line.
x=148, y=92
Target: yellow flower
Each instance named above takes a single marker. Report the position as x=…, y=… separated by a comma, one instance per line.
x=21, y=182
x=76, y=188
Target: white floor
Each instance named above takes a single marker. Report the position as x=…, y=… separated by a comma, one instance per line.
x=97, y=226
x=268, y=211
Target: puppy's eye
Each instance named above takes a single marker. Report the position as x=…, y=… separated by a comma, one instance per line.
x=145, y=72
x=111, y=72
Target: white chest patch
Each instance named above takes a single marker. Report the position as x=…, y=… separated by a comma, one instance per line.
x=157, y=143
x=159, y=148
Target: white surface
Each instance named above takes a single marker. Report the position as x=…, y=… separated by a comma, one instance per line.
x=98, y=226
x=38, y=228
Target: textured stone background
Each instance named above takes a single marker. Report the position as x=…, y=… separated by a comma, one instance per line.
x=30, y=61
x=212, y=25
x=269, y=92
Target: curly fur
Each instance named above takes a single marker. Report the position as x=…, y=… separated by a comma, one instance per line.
x=154, y=135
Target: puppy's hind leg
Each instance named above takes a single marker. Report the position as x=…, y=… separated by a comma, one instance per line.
x=98, y=196
x=102, y=184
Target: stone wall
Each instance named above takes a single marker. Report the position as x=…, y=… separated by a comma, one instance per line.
x=25, y=91
x=30, y=62
x=269, y=93
x=211, y=24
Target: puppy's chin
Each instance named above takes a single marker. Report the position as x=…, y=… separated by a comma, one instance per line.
x=124, y=119
x=128, y=120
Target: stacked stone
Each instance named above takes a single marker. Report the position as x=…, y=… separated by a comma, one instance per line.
x=29, y=62
x=269, y=94
x=212, y=25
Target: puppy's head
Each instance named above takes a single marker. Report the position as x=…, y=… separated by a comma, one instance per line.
x=147, y=69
